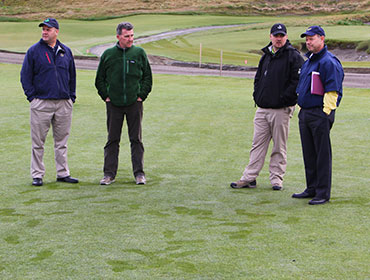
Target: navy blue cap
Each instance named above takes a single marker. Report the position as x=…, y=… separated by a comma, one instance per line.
x=278, y=28
x=313, y=30
x=50, y=22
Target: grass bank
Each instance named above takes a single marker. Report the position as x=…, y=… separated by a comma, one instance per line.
x=186, y=223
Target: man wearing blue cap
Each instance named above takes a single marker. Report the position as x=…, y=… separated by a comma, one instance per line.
x=48, y=78
x=319, y=94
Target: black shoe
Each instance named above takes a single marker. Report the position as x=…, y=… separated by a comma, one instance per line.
x=302, y=195
x=277, y=188
x=243, y=184
x=37, y=182
x=317, y=201
x=68, y=179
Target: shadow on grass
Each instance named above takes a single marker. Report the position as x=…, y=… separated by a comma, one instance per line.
x=9, y=212
x=361, y=201
x=62, y=186
x=42, y=255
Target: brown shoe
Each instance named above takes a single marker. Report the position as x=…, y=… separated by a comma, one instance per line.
x=243, y=184
x=107, y=180
x=140, y=179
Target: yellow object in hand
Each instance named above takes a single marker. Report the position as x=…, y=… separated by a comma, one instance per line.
x=330, y=101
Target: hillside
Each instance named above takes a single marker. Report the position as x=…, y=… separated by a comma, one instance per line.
x=35, y=9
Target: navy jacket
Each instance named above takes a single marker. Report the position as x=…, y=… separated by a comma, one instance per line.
x=277, y=77
x=331, y=75
x=49, y=75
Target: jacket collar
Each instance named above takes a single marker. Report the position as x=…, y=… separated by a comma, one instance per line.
x=314, y=56
x=59, y=46
x=120, y=48
x=267, y=49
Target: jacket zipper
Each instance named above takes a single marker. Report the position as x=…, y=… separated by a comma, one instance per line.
x=124, y=77
x=56, y=69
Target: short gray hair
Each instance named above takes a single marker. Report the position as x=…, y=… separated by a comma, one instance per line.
x=124, y=25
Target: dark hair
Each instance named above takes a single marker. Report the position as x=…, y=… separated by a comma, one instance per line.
x=124, y=25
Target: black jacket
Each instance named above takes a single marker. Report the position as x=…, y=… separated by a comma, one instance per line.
x=277, y=77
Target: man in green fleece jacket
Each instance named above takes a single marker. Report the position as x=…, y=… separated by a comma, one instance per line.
x=124, y=80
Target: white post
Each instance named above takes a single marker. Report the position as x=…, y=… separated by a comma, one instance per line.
x=200, y=55
x=221, y=63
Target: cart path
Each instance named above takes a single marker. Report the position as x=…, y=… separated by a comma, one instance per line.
x=353, y=80
x=98, y=50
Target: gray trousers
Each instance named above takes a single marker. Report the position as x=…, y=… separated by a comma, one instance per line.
x=115, y=118
x=58, y=114
x=269, y=124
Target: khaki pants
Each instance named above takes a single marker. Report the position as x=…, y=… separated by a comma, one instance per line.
x=58, y=113
x=269, y=124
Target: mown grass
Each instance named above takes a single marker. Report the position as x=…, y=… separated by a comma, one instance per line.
x=186, y=223
x=81, y=35
x=238, y=43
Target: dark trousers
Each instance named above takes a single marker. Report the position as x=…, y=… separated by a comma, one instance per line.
x=314, y=128
x=115, y=118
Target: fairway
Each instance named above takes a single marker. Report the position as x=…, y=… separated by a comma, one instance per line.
x=186, y=223
x=80, y=35
x=238, y=44
x=244, y=43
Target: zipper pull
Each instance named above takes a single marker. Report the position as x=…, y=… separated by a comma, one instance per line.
x=47, y=56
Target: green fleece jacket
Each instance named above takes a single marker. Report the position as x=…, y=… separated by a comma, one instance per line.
x=124, y=75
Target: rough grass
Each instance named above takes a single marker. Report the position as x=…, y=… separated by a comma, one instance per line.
x=35, y=9
x=364, y=46
x=186, y=223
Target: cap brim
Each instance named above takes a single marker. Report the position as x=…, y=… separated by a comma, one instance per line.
x=278, y=32
x=43, y=23
x=308, y=34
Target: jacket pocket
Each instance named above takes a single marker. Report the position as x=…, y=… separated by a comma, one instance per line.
x=133, y=68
